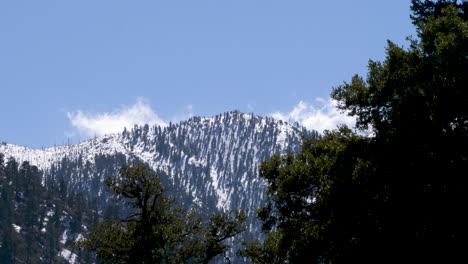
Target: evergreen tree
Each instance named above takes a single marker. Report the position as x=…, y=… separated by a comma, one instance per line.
x=28, y=218
x=31, y=216
x=315, y=202
x=155, y=231
x=8, y=249
x=6, y=230
x=397, y=196
x=416, y=104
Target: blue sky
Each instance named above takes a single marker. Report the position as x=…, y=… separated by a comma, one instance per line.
x=70, y=69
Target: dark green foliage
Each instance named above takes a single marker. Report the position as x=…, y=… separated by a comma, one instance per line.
x=307, y=217
x=416, y=103
x=422, y=10
x=399, y=195
x=7, y=251
x=155, y=231
x=33, y=217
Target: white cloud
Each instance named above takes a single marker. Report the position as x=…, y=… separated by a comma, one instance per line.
x=319, y=116
x=99, y=124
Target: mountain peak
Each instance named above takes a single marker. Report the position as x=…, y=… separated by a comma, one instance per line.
x=211, y=163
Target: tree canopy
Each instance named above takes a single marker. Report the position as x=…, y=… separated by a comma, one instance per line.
x=398, y=195
x=155, y=230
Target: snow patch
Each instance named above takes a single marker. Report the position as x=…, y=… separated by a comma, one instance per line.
x=64, y=238
x=79, y=237
x=193, y=161
x=17, y=228
x=68, y=255
x=220, y=192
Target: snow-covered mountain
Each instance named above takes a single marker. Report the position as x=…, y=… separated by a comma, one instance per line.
x=217, y=157
x=211, y=163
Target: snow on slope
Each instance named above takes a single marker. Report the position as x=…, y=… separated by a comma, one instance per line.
x=216, y=156
x=214, y=160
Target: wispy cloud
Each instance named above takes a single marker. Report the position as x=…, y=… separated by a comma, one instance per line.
x=90, y=124
x=320, y=115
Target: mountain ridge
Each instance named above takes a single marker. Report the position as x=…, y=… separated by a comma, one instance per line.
x=135, y=143
x=211, y=163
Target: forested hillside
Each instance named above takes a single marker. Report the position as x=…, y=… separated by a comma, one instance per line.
x=39, y=221
x=206, y=163
x=203, y=189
